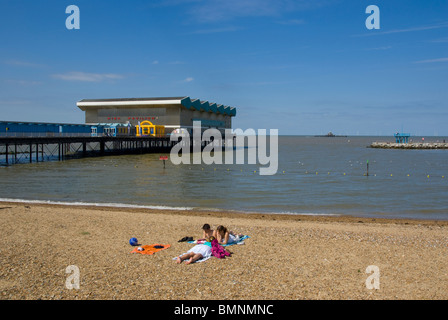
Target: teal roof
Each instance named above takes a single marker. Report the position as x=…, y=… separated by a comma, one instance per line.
x=196, y=104
x=213, y=107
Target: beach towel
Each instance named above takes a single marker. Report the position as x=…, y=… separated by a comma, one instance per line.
x=200, y=241
x=151, y=249
x=218, y=251
x=239, y=241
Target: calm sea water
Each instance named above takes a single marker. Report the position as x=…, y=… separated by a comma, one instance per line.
x=319, y=176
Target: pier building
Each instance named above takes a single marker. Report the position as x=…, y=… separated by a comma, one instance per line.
x=171, y=112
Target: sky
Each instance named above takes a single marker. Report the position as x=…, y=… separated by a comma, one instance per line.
x=302, y=67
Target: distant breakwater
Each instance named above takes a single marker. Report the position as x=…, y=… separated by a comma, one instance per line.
x=413, y=145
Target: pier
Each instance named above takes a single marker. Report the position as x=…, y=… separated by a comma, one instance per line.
x=14, y=150
x=114, y=127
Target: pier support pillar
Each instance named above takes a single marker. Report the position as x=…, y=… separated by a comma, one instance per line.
x=102, y=147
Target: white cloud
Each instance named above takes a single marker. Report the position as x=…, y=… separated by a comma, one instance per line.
x=217, y=30
x=218, y=10
x=87, y=77
x=411, y=29
x=292, y=22
x=23, y=82
x=21, y=63
x=379, y=48
x=442, y=40
x=189, y=79
x=155, y=62
x=433, y=60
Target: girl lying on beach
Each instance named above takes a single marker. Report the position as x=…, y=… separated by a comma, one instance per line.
x=199, y=251
x=225, y=236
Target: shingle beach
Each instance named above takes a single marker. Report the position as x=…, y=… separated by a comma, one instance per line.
x=286, y=257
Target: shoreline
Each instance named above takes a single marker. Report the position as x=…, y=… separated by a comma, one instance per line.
x=285, y=258
x=237, y=214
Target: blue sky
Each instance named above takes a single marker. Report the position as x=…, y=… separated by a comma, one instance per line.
x=303, y=67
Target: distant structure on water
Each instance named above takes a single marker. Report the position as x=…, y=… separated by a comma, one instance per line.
x=402, y=142
x=402, y=137
x=330, y=135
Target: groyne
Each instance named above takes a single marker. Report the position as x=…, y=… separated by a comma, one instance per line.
x=413, y=145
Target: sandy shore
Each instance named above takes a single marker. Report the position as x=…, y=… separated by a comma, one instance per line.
x=286, y=257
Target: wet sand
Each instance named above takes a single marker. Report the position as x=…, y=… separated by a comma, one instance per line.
x=286, y=257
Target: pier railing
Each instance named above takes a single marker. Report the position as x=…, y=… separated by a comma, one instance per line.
x=57, y=134
x=42, y=134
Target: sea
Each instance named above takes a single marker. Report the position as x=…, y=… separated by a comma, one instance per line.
x=316, y=176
